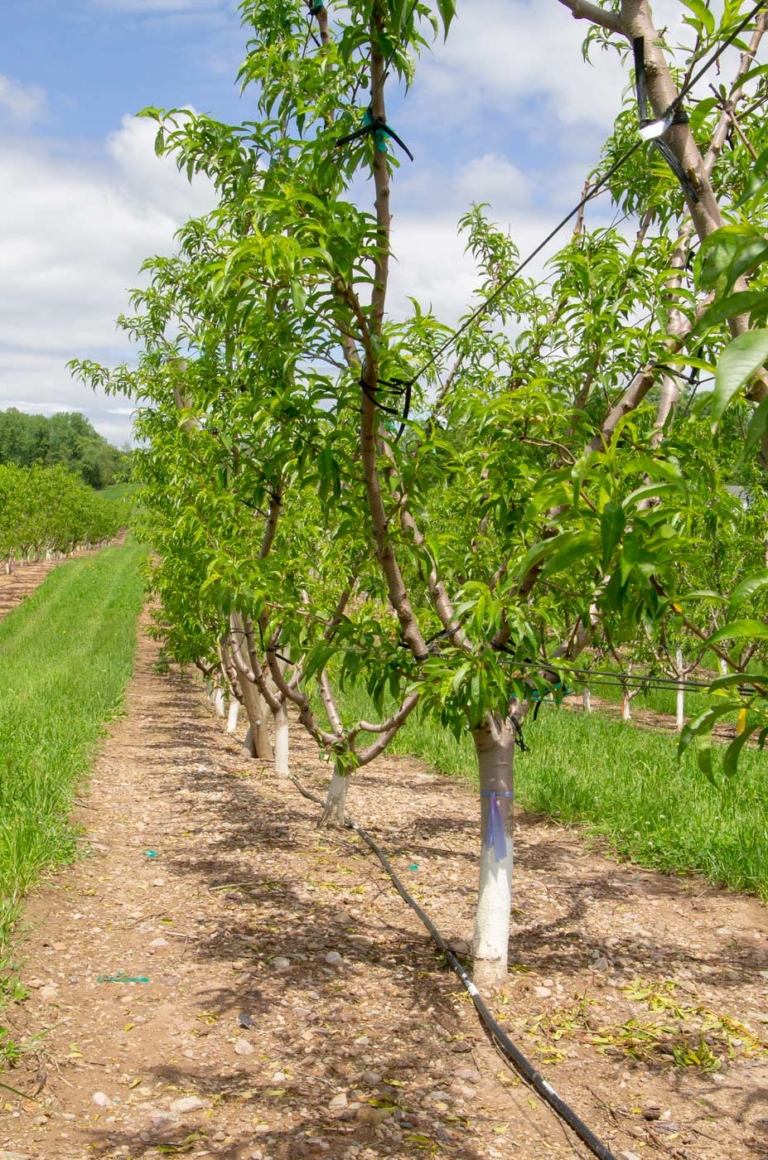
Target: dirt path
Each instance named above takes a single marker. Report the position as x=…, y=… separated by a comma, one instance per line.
x=25, y=578
x=360, y=1045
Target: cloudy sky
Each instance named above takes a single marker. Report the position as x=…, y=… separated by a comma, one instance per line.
x=506, y=112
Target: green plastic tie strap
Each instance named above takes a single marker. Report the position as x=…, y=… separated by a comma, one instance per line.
x=377, y=128
x=122, y=978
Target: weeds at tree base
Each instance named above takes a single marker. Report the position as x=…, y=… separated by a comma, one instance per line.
x=680, y=1035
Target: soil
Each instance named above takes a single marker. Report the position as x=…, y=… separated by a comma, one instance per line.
x=206, y=876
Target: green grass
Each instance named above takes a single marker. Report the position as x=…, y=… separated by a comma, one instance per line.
x=624, y=784
x=67, y=654
x=119, y=491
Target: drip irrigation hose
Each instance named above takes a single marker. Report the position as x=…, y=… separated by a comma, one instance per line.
x=508, y=1049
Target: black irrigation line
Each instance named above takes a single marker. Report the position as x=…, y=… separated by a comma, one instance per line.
x=618, y=677
x=501, y=1040
x=673, y=110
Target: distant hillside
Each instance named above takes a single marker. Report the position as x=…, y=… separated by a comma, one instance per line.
x=66, y=438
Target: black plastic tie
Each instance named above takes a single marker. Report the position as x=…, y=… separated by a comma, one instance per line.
x=368, y=392
x=676, y=115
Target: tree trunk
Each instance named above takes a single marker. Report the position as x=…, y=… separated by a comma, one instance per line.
x=232, y=716
x=494, y=745
x=333, y=814
x=626, y=701
x=217, y=698
x=586, y=699
x=680, y=706
x=282, y=764
x=261, y=746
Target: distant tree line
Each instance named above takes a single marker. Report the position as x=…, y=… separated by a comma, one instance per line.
x=66, y=439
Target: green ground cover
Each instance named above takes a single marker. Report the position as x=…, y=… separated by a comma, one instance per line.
x=120, y=491
x=624, y=784
x=67, y=653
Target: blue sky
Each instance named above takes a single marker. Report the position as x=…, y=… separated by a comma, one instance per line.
x=506, y=112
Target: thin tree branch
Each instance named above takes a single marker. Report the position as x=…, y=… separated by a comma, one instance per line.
x=583, y=10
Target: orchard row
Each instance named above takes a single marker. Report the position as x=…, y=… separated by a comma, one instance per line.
x=48, y=511
x=342, y=492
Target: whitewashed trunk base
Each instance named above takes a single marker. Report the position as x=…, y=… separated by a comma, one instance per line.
x=282, y=743
x=232, y=716
x=335, y=803
x=490, y=943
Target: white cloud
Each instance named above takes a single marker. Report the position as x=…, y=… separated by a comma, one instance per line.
x=493, y=179
x=503, y=53
x=72, y=237
x=24, y=102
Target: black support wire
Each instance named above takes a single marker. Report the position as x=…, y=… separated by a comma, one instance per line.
x=500, y=1038
x=673, y=112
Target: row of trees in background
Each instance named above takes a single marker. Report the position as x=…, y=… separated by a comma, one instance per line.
x=47, y=511
x=66, y=438
x=459, y=520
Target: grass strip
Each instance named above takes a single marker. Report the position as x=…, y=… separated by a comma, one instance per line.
x=67, y=654
x=624, y=784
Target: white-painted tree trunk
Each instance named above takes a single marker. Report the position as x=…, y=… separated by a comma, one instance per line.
x=626, y=703
x=335, y=802
x=282, y=739
x=586, y=699
x=218, y=701
x=680, y=703
x=232, y=716
x=494, y=745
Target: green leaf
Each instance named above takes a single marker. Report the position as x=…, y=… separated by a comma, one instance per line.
x=746, y=260
x=582, y=544
x=738, y=362
x=704, y=723
x=701, y=112
x=612, y=524
x=298, y=296
x=738, y=629
x=744, y=302
x=704, y=756
x=760, y=70
x=729, y=252
x=758, y=426
x=447, y=10
x=735, y=679
x=733, y=752
x=703, y=17
x=746, y=589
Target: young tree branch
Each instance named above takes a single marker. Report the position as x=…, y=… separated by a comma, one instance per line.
x=583, y=10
